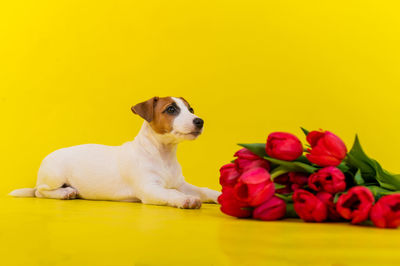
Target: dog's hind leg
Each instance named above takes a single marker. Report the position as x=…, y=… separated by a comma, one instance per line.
x=45, y=191
x=53, y=184
x=53, y=187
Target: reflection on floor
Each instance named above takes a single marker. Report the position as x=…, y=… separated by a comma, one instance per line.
x=78, y=232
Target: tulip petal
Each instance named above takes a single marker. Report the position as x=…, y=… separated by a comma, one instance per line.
x=261, y=195
x=377, y=216
x=246, y=164
x=273, y=209
x=231, y=206
x=255, y=176
x=335, y=145
x=229, y=175
x=313, y=137
x=246, y=154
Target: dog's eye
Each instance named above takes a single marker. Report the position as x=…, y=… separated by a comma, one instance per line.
x=171, y=110
x=191, y=110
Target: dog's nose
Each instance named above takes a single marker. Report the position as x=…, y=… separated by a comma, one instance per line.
x=198, y=122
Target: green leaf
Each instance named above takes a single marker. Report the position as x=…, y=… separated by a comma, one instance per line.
x=386, y=179
x=247, y=208
x=292, y=166
x=371, y=170
x=256, y=148
x=343, y=167
x=302, y=159
x=337, y=195
x=286, y=197
x=357, y=158
x=290, y=212
x=279, y=186
x=358, y=178
x=305, y=131
x=280, y=170
x=367, y=223
x=380, y=192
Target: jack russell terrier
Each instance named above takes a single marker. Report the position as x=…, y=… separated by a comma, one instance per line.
x=143, y=170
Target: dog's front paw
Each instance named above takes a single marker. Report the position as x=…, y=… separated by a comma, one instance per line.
x=190, y=202
x=211, y=196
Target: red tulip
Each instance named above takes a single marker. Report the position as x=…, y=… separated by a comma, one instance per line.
x=247, y=160
x=308, y=207
x=327, y=199
x=272, y=209
x=292, y=182
x=283, y=146
x=231, y=206
x=386, y=212
x=327, y=149
x=356, y=204
x=229, y=175
x=298, y=180
x=329, y=179
x=254, y=186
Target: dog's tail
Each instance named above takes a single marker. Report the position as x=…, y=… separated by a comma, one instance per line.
x=23, y=192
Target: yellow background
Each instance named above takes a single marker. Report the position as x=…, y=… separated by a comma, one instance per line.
x=70, y=71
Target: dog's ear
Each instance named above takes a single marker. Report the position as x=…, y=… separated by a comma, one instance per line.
x=145, y=109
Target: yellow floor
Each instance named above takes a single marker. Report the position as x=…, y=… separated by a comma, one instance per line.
x=78, y=232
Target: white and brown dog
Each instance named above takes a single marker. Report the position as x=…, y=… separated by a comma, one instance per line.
x=145, y=169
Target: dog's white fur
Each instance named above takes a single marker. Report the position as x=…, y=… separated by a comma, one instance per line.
x=145, y=169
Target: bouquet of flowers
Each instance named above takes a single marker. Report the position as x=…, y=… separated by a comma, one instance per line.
x=275, y=180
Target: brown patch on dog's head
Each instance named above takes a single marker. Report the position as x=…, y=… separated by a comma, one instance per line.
x=162, y=120
x=155, y=112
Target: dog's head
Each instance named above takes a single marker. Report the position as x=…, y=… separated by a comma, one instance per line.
x=170, y=115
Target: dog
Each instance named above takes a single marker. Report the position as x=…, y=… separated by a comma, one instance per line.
x=143, y=170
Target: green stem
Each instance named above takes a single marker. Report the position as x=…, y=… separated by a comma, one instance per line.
x=287, y=197
x=290, y=212
x=279, y=171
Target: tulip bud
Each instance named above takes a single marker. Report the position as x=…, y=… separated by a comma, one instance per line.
x=327, y=149
x=284, y=146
